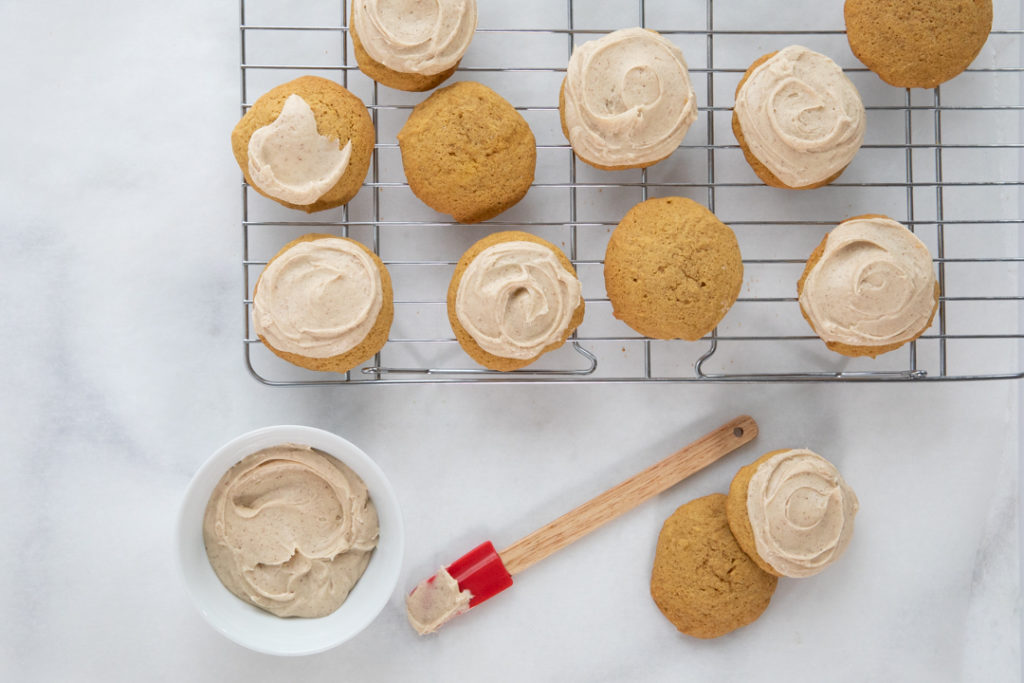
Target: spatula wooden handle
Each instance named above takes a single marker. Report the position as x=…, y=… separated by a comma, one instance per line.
x=627, y=495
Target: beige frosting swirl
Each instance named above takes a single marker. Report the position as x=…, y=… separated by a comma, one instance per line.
x=515, y=298
x=873, y=285
x=801, y=116
x=319, y=298
x=291, y=161
x=628, y=99
x=415, y=36
x=801, y=512
x=290, y=529
x=435, y=602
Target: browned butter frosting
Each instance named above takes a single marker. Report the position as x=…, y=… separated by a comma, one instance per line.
x=801, y=511
x=801, y=116
x=628, y=98
x=873, y=284
x=435, y=602
x=290, y=529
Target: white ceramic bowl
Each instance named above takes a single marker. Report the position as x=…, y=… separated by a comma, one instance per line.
x=250, y=626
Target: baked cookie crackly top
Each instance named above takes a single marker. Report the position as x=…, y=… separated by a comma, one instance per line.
x=917, y=43
x=702, y=581
x=467, y=152
x=672, y=269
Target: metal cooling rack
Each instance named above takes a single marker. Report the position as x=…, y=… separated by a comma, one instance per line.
x=911, y=170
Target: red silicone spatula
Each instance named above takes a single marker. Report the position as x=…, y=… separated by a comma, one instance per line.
x=485, y=572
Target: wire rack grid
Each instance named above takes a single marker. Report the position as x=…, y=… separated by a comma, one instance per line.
x=946, y=162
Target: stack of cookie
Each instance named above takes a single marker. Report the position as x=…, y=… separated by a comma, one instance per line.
x=719, y=558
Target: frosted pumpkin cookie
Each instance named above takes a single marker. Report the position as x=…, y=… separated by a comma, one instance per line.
x=410, y=44
x=917, y=43
x=323, y=303
x=672, y=269
x=513, y=297
x=798, y=119
x=791, y=512
x=467, y=152
x=626, y=100
x=702, y=581
x=306, y=144
x=869, y=287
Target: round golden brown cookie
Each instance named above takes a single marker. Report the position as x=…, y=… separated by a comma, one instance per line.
x=736, y=511
x=565, y=132
x=702, y=580
x=384, y=75
x=672, y=269
x=917, y=43
x=848, y=349
x=469, y=345
x=339, y=115
x=766, y=176
x=467, y=152
x=371, y=343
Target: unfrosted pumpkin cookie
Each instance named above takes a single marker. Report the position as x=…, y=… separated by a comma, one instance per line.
x=513, y=297
x=467, y=152
x=323, y=303
x=626, y=100
x=917, y=43
x=409, y=44
x=702, y=581
x=306, y=144
x=869, y=287
x=672, y=269
x=798, y=119
x=791, y=512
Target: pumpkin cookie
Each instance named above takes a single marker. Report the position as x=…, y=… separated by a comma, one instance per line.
x=702, y=580
x=798, y=119
x=626, y=100
x=672, y=269
x=408, y=44
x=513, y=297
x=791, y=512
x=467, y=152
x=306, y=144
x=917, y=43
x=323, y=303
x=869, y=287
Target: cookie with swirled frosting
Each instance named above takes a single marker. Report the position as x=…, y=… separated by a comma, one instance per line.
x=305, y=144
x=626, y=100
x=672, y=270
x=798, y=119
x=323, y=303
x=869, y=287
x=513, y=297
x=702, y=581
x=410, y=44
x=791, y=512
x=917, y=43
x=467, y=152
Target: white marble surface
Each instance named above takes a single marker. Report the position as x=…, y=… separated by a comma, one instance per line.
x=123, y=371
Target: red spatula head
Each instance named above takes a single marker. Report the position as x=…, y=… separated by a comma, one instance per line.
x=481, y=572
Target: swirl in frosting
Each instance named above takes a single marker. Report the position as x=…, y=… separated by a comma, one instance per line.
x=801, y=116
x=872, y=286
x=422, y=37
x=628, y=99
x=318, y=298
x=801, y=512
x=289, y=160
x=515, y=298
x=290, y=529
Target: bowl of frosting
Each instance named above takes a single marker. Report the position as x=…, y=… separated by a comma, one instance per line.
x=290, y=540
